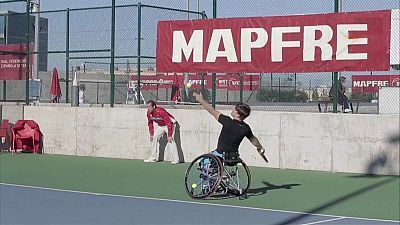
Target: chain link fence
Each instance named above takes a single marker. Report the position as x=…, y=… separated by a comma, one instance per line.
x=82, y=36
x=281, y=91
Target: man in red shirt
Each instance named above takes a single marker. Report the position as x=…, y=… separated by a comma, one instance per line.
x=164, y=123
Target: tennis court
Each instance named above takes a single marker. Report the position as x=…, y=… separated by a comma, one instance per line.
x=55, y=189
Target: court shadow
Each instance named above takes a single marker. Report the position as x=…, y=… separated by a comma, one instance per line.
x=346, y=197
x=228, y=195
x=374, y=166
x=254, y=191
x=378, y=163
x=382, y=163
x=163, y=144
x=222, y=196
x=269, y=186
x=395, y=139
x=178, y=141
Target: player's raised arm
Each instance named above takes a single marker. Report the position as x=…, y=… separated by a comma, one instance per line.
x=206, y=106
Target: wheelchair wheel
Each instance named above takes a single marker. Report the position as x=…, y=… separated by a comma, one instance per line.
x=203, y=176
x=237, y=179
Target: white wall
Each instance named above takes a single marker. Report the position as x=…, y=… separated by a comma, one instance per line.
x=309, y=141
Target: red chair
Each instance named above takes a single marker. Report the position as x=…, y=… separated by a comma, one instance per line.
x=26, y=135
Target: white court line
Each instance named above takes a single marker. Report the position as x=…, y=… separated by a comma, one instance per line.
x=189, y=202
x=323, y=221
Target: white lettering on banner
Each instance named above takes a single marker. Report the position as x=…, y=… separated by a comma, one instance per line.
x=372, y=83
x=222, y=82
x=343, y=41
x=224, y=35
x=195, y=45
x=233, y=82
x=12, y=61
x=278, y=44
x=396, y=82
x=246, y=44
x=197, y=82
x=310, y=43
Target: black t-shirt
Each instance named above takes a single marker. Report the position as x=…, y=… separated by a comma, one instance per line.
x=232, y=134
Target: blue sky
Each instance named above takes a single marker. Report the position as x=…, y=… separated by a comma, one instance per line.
x=232, y=8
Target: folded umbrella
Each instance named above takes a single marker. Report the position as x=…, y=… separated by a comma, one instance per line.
x=55, y=89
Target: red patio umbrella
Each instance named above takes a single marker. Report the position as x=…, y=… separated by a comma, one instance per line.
x=55, y=89
x=175, y=93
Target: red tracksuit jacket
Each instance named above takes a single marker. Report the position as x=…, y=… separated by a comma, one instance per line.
x=162, y=118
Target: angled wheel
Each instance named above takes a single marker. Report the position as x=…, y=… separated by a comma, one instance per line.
x=237, y=178
x=203, y=176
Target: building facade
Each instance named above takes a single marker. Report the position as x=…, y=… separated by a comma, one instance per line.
x=13, y=28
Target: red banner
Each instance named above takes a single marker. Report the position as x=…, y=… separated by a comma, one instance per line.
x=13, y=62
x=229, y=82
x=371, y=84
x=354, y=41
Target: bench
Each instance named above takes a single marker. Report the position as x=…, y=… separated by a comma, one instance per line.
x=327, y=102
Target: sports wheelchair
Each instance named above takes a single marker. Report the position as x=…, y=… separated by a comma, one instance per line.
x=212, y=175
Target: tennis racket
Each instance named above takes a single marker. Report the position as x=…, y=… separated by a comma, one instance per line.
x=263, y=156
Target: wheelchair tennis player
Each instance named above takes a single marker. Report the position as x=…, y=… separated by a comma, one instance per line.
x=213, y=170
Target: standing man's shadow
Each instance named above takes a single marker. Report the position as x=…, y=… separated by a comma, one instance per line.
x=177, y=137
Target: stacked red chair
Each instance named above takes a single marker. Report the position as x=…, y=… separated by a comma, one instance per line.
x=26, y=135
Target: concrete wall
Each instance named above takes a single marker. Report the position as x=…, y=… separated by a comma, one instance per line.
x=308, y=141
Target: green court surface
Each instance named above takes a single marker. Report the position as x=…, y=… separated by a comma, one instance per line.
x=341, y=194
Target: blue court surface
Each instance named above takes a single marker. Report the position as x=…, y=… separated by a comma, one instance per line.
x=35, y=205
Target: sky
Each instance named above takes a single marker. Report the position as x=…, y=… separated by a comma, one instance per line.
x=90, y=29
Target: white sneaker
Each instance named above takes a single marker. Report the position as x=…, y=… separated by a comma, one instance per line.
x=150, y=160
x=175, y=162
x=347, y=110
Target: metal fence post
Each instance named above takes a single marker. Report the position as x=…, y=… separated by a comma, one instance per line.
x=203, y=16
x=139, y=36
x=214, y=75
x=271, y=84
x=67, y=59
x=36, y=7
x=27, y=53
x=241, y=87
x=202, y=83
x=335, y=74
x=112, y=92
x=4, y=90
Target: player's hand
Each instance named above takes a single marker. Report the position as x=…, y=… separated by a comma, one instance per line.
x=198, y=96
x=261, y=150
x=151, y=139
x=170, y=139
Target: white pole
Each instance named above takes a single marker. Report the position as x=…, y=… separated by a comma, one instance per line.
x=75, y=88
x=35, y=68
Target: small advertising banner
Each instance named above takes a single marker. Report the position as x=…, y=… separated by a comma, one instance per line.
x=371, y=83
x=13, y=62
x=230, y=82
